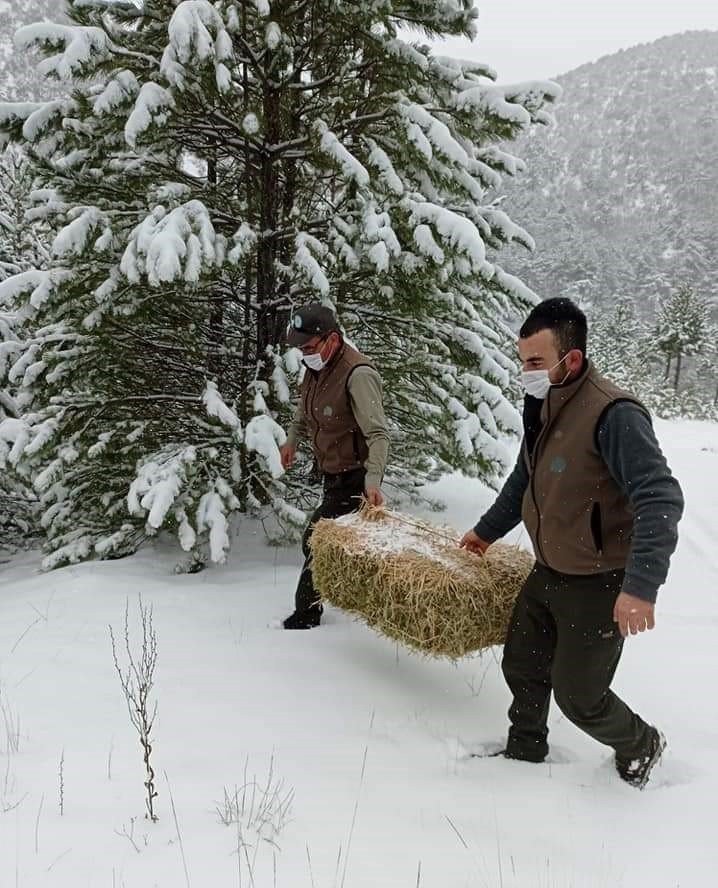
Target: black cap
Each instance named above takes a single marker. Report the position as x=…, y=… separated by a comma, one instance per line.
x=312, y=320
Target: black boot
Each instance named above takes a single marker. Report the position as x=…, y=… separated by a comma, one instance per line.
x=308, y=619
x=637, y=771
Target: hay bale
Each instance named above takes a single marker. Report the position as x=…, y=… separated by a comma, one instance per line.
x=411, y=582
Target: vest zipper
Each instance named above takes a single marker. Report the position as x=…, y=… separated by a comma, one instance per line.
x=597, y=528
x=532, y=463
x=355, y=441
x=315, y=380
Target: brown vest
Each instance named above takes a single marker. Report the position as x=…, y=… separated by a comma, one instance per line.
x=578, y=518
x=337, y=440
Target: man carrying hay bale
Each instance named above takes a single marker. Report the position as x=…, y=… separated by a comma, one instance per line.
x=341, y=412
x=601, y=508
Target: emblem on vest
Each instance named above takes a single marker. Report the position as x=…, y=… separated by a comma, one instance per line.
x=328, y=411
x=558, y=465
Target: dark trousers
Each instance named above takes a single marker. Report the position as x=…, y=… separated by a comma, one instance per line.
x=562, y=637
x=341, y=496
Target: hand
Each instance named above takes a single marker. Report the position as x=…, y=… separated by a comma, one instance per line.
x=287, y=452
x=633, y=614
x=374, y=496
x=473, y=543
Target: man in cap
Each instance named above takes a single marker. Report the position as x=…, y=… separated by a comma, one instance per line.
x=341, y=413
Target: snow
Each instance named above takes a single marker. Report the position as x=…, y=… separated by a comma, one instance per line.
x=73, y=237
x=379, y=159
x=250, y=124
x=455, y=229
x=273, y=36
x=366, y=742
x=189, y=31
x=211, y=517
x=216, y=407
x=265, y=437
x=13, y=112
x=332, y=146
x=79, y=46
x=306, y=262
x=159, y=482
x=394, y=536
x=438, y=133
x=196, y=35
x=427, y=245
x=122, y=87
x=152, y=106
x=167, y=246
x=38, y=121
x=41, y=283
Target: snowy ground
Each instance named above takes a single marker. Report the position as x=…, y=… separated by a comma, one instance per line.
x=370, y=741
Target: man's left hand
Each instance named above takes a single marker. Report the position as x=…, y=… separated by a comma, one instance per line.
x=374, y=496
x=633, y=614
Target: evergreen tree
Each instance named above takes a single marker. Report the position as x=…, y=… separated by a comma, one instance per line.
x=682, y=330
x=22, y=246
x=214, y=165
x=620, y=346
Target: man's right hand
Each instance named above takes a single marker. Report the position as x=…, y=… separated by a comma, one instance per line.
x=473, y=543
x=287, y=452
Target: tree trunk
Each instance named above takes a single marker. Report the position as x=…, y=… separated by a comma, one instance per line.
x=677, y=377
x=216, y=311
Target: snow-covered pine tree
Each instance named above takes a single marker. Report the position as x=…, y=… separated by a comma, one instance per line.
x=215, y=164
x=681, y=330
x=22, y=246
x=620, y=344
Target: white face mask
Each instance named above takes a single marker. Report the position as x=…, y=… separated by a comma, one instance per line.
x=314, y=362
x=537, y=382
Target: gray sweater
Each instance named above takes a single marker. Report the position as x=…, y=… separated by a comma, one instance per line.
x=629, y=448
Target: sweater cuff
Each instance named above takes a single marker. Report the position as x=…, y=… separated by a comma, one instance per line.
x=486, y=532
x=639, y=588
x=372, y=481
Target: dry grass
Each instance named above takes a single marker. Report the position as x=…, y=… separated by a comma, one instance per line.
x=411, y=582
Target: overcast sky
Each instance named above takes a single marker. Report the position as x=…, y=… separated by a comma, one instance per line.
x=528, y=39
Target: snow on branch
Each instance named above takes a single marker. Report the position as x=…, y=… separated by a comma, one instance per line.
x=438, y=133
x=453, y=69
x=533, y=96
x=159, y=482
x=520, y=104
x=172, y=246
x=264, y=436
x=41, y=284
x=196, y=35
x=153, y=105
x=307, y=263
x=13, y=116
x=380, y=239
x=454, y=229
x=490, y=99
x=79, y=46
x=73, y=237
x=330, y=145
x=212, y=518
x=122, y=87
x=216, y=407
x=379, y=160
x=505, y=230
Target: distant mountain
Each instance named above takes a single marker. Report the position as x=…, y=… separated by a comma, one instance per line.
x=622, y=195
